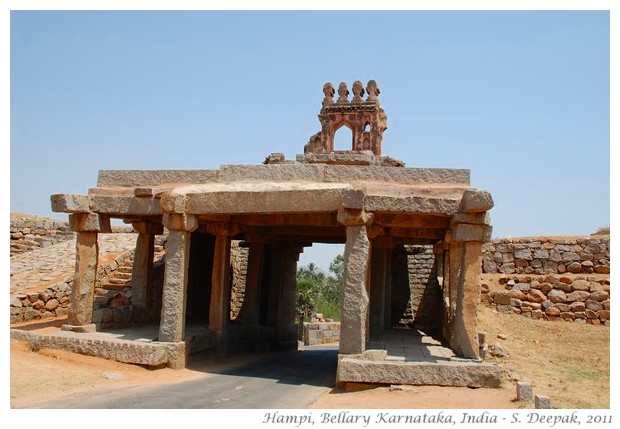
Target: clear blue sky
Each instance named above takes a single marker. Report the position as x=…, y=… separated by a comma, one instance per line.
x=521, y=98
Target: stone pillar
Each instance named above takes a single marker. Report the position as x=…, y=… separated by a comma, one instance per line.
x=142, y=270
x=172, y=324
x=87, y=226
x=355, y=297
x=380, y=271
x=286, y=328
x=219, y=309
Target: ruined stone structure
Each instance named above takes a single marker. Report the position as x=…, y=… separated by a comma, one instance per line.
x=369, y=202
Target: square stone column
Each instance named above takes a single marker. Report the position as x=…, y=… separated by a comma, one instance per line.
x=142, y=271
x=355, y=297
x=83, y=289
x=219, y=309
x=172, y=324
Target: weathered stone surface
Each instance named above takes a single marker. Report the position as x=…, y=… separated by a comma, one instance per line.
x=502, y=298
x=574, y=267
x=172, y=326
x=180, y=221
x=535, y=295
x=411, y=204
x=70, y=203
x=542, y=402
x=89, y=222
x=556, y=295
x=419, y=373
x=577, y=296
x=348, y=173
x=467, y=232
x=578, y=306
x=154, y=177
x=599, y=296
x=476, y=202
x=581, y=285
x=552, y=311
x=593, y=305
x=603, y=314
x=355, y=297
x=52, y=305
x=602, y=269
x=82, y=294
x=273, y=172
x=125, y=204
x=524, y=391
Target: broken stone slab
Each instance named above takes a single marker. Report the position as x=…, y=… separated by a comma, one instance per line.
x=82, y=329
x=70, y=203
x=475, y=201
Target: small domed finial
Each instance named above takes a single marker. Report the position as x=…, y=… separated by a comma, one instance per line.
x=343, y=93
x=358, y=92
x=373, y=91
x=328, y=91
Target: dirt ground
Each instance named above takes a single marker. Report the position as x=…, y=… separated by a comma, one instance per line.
x=568, y=362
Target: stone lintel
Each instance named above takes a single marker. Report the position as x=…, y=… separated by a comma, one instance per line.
x=125, y=205
x=172, y=202
x=70, y=203
x=148, y=228
x=411, y=204
x=475, y=201
x=260, y=201
x=351, y=217
x=467, y=232
x=180, y=221
x=343, y=158
x=89, y=222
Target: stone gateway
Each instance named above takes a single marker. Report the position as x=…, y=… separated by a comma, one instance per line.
x=387, y=216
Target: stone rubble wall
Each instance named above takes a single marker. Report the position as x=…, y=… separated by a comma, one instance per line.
x=575, y=298
x=33, y=232
x=239, y=266
x=424, y=305
x=321, y=333
x=53, y=301
x=547, y=255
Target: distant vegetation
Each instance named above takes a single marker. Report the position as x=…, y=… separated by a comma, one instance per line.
x=602, y=231
x=318, y=292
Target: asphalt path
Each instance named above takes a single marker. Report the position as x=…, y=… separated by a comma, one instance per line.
x=285, y=380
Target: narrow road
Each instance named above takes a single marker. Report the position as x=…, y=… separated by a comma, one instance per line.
x=277, y=380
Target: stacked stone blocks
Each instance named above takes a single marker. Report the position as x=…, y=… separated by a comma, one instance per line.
x=545, y=255
x=321, y=333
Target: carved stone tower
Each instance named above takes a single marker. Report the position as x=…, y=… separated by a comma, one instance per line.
x=365, y=118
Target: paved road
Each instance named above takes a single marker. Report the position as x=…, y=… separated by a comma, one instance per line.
x=282, y=380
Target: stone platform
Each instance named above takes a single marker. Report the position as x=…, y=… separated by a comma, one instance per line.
x=133, y=344
x=408, y=356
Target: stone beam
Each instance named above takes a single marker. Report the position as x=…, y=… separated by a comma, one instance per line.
x=349, y=173
x=70, y=203
x=405, y=220
x=154, y=177
x=411, y=204
x=125, y=205
x=181, y=222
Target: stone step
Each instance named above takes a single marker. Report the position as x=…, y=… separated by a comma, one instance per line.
x=113, y=287
x=121, y=275
x=117, y=281
x=125, y=269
